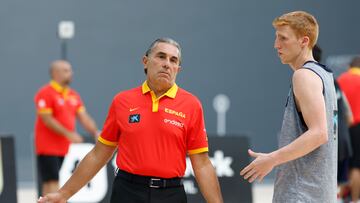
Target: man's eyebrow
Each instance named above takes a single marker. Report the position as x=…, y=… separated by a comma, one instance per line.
x=280, y=34
x=163, y=53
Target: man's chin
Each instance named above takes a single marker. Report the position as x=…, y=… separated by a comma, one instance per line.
x=164, y=82
x=67, y=83
x=284, y=61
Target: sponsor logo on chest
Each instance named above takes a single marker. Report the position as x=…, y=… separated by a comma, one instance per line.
x=70, y=100
x=134, y=118
x=176, y=113
x=73, y=101
x=173, y=122
x=61, y=101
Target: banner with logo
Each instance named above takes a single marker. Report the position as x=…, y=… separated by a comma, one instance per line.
x=228, y=155
x=98, y=188
x=7, y=169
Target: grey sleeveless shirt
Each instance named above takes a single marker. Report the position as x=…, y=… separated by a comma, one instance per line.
x=311, y=178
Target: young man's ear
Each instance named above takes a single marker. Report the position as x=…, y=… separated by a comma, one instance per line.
x=305, y=41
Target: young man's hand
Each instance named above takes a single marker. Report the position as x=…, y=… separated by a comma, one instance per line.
x=259, y=168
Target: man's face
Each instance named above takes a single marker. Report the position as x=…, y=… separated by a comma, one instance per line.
x=287, y=44
x=162, y=65
x=63, y=73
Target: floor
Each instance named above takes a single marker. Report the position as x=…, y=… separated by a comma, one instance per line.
x=262, y=193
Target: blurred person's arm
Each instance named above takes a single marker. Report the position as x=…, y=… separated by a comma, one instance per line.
x=307, y=87
x=348, y=112
x=86, y=170
x=57, y=127
x=88, y=123
x=206, y=177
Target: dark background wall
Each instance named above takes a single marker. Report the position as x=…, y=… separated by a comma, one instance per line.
x=227, y=48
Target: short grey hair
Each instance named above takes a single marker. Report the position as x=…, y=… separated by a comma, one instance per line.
x=164, y=40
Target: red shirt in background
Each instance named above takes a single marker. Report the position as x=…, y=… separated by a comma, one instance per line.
x=63, y=104
x=349, y=83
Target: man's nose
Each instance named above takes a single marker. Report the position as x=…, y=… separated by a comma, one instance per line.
x=166, y=63
x=276, y=44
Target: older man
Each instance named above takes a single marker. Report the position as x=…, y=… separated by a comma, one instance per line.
x=154, y=127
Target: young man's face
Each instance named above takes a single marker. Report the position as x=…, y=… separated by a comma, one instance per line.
x=287, y=44
x=162, y=64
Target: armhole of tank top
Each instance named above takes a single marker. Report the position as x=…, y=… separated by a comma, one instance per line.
x=323, y=91
x=297, y=110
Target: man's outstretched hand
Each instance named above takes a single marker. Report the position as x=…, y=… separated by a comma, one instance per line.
x=258, y=168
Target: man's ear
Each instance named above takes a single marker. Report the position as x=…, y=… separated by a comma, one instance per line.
x=179, y=69
x=145, y=60
x=305, y=41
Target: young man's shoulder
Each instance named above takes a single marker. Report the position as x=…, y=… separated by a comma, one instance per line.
x=304, y=74
x=305, y=80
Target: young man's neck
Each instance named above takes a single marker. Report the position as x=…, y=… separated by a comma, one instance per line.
x=305, y=55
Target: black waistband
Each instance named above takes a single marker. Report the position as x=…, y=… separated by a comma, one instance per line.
x=152, y=182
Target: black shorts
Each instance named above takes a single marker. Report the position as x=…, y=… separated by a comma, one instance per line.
x=355, y=143
x=49, y=167
x=343, y=171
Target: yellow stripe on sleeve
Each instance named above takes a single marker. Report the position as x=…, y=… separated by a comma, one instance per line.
x=198, y=151
x=81, y=109
x=106, y=142
x=45, y=111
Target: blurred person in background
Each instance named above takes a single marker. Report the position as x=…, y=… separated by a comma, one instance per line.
x=57, y=106
x=349, y=82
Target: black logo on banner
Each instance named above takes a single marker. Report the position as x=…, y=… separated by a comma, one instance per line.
x=134, y=118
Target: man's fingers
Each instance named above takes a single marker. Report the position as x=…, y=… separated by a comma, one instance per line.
x=249, y=174
x=260, y=178
x=253, y=154
x=246, y=169
x=41, y=200
x=253, y=177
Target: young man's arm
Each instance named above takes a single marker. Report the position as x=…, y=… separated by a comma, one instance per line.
x=308, y=90
x=206, y=177
x=86, y=170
